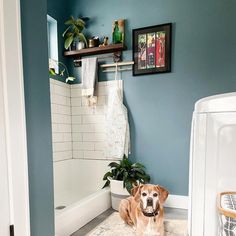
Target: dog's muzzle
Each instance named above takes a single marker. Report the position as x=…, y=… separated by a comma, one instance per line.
x=150, y=205
x=149, y=201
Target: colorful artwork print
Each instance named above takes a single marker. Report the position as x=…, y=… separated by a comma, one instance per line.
x=152, y=49
x=142, y=57
x=160, y=49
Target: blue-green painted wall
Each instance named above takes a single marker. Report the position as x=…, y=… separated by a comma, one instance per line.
x=161, y=105
x=38, y=116
x=59, y=10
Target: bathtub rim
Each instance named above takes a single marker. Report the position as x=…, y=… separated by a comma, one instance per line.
x=81, y=202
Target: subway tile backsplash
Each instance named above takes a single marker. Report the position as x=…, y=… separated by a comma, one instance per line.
x=78, y=130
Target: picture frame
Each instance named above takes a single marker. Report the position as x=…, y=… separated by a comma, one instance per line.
x=152, y=49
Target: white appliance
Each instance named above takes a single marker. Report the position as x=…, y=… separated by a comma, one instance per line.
x=212, y=160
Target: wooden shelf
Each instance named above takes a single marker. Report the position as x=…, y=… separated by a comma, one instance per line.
x=112, y=48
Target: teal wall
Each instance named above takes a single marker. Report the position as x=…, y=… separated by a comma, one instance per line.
x=161, y=105
x=60, y=11
x=38, y=116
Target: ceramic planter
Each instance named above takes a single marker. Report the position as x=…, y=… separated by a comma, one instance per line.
x=80, y=45
x=117, y=193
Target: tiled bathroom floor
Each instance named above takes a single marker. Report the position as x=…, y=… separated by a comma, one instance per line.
x=170, y=213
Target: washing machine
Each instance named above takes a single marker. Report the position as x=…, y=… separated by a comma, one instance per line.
x=212, y=160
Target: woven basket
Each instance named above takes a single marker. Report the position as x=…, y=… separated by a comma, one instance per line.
x=226, y=204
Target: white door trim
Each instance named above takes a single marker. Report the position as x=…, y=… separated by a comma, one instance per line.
x=5, y=220
x=14, y=114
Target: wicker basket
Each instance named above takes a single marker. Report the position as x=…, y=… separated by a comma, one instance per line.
x=226, y=204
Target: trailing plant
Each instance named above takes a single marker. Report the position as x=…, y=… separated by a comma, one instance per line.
x=62, y=70
x=130, y=173
x=74, y=31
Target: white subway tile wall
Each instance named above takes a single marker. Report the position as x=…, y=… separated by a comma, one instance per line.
x=61, y=120
x=78, y=129
x=88, y=122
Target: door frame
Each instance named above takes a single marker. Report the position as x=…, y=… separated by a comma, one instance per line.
x=11, y=73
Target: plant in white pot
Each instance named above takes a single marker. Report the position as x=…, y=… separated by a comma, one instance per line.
x=122, y=177
x=73, y=33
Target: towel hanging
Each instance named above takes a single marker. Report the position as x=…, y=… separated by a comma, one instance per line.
x=89, y=79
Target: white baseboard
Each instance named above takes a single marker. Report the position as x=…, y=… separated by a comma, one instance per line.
x=177, y=201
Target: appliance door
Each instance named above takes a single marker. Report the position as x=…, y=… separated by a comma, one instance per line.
x=220, y=167
x=197, y=175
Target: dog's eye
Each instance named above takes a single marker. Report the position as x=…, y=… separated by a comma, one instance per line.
x=155, y=194
x=144, y=194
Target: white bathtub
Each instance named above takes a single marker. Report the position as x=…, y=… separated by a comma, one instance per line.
x=77, y=187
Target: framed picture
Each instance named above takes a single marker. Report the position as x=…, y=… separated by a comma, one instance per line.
x=152, y=49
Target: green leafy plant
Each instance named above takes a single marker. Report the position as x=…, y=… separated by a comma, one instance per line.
x=74, y=31
x=63, y=71
x=130, y=173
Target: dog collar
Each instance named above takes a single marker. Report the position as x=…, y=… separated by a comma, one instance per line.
x=150, y=214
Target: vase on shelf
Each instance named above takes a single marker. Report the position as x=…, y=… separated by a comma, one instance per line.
x=118, y=31
x=80, y=45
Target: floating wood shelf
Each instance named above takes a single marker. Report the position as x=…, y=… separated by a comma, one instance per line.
x=116, y=49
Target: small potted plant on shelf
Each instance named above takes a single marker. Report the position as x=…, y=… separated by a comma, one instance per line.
x=122, y=177
x=73, y=33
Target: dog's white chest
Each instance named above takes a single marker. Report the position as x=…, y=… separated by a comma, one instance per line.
x=151, y=229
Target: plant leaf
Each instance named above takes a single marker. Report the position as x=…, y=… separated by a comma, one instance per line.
x=64, y=33
x=62, y=72
x=106, y=184
x=138, y=165
x=114, y=164
x=69, y=22
x=82, y=38
x=80, y=22
x=68, y=42
x=73, y=19
x=70, y=78
x=52, y=71
x=108, y=174
x=128, y=186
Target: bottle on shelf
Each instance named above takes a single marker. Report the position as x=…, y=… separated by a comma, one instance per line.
x=116, y=35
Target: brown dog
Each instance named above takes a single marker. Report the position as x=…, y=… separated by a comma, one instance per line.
x=144, y=210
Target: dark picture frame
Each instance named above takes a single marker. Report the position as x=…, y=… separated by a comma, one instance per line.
x=152, y=49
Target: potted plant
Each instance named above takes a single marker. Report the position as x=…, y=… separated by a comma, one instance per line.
x=73, y=33
x=122, y=177
x=62, y=70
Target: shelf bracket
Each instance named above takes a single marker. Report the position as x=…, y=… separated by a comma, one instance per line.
x=117, y=56
x=77, y=62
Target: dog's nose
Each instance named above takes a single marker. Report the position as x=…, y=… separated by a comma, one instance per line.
x=149, y=201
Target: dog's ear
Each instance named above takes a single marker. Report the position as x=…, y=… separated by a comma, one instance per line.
x=136, y=192
x=163, y=193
